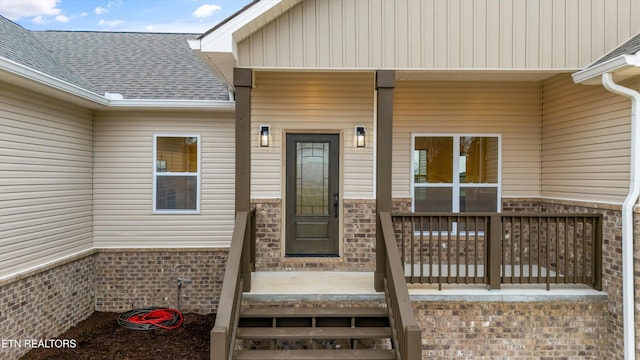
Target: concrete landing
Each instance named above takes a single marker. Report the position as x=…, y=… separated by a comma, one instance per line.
x=358, y=286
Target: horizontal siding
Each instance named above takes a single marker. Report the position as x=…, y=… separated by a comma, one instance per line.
x=442, y=34
x=303, y=101
x=511, y=109
x=45, y=179
x=124, y=179
x=585, y=142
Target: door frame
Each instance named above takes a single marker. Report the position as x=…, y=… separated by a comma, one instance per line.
x=283, y=185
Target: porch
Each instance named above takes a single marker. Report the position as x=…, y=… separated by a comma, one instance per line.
x=519, y=256
x=423, y=250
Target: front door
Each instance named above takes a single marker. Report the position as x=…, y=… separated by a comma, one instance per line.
x=313, y=196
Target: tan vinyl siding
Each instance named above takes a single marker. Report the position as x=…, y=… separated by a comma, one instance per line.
x=585, y=142
x=509, y=109
x=45, y=179
x=124, y=181
x=439, y=34
x=319, y=102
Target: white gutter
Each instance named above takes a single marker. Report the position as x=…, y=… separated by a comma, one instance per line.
x=628, y=291
x=220, y=105
x=590, y=75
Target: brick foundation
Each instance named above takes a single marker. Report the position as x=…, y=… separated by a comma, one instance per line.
x=513, y=330
x=611, y=265
x=45, y=304
x=127, y=279
x=65, y=293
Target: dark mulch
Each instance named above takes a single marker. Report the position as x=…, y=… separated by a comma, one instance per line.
x=101, y=338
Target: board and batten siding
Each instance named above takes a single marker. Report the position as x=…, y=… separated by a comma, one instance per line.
x=442, y=34
x=45, y=179
x=510, y=109
x=585, y=142
x=294, y=102
x=123, y=189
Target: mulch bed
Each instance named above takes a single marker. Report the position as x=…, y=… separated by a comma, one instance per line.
x=100, y=337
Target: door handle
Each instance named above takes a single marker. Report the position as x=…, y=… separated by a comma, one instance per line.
x=336, y=202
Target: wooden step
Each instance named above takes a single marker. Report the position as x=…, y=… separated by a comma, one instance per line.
x=338, y=354
x=252, y=333
x=269, y=312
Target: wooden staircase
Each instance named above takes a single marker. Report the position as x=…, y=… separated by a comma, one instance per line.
x=308, y=333
x=318, y=327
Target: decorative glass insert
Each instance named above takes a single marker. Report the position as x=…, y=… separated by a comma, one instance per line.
x=312, y=178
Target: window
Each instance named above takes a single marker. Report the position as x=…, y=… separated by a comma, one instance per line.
x=176, y=174
x=456, y=173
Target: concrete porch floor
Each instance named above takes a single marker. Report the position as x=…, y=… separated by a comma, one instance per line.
x=344, y=286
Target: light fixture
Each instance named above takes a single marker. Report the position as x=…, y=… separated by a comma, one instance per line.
x=360, y=138
x=264, y=135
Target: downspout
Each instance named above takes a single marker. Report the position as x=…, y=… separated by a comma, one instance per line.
x=628, y=295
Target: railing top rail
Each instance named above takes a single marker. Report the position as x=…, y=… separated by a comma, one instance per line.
x=396, y=269
x=232, y=272
x=502, y=214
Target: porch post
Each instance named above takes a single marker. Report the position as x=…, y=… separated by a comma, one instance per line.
x=385, y=82
x=242, y=81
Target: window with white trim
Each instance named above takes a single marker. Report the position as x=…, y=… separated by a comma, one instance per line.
x=456, y=173
x=176, y=173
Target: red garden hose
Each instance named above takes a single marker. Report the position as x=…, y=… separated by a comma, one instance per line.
x=151, y=318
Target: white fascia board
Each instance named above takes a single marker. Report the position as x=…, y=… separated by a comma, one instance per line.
x=20, y=70
x=592, y=75
x=222, y=40
x=218, y=105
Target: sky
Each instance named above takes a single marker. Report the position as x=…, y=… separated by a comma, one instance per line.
x=174, y=16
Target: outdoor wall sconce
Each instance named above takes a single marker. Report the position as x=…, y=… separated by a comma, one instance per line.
x=264, y=135
x=360, y=141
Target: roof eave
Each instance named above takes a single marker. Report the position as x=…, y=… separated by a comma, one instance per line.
x=218, y=45
x=51, y=82
x=623, y=66
x=92, y=100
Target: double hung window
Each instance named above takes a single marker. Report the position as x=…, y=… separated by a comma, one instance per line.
x=176, y=174
x=456, y=173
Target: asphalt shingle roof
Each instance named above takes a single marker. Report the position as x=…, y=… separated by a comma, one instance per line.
x=631, y=46
x=21, y=46
x=136, y=65
x=156, y=66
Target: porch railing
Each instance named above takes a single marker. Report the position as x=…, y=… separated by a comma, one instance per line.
x=237, y=278
x=500, y=248
x=407, y=335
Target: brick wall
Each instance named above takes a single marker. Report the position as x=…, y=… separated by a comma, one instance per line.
x=358, y=245
x=611, y=264
x=513, y=330
x=127, y=279
x=44, y=304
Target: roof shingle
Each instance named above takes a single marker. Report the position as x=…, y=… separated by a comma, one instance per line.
x=629, y=47
x=21, y=46
x=136, y=65
x=151, y=66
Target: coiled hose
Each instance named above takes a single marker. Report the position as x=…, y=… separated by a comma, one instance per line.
x=151, y=318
